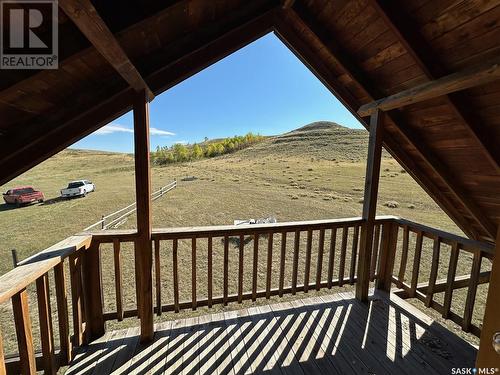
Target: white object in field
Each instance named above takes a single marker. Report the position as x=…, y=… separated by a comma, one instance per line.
x=78, y=188
x=266, y=220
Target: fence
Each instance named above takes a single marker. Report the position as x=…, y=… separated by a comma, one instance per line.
x=114, y=219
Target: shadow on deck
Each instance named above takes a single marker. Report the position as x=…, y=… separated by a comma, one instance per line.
x=334, y=334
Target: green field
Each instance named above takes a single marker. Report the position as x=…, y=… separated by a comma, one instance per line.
x=316, y=172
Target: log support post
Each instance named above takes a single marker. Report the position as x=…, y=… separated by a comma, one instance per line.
x=143, y=245
x=487, y=356
x=92, y=291
x=369, y=204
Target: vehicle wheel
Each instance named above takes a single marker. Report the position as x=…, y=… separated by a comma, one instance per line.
x=18, y=204
x=40, y=201
x=85, y=193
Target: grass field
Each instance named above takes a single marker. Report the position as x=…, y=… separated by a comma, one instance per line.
x=316, y=172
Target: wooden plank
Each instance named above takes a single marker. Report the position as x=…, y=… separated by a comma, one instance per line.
x=369, y=203
x=241, y=247
x=295, y=262
x=481, y=74
x=471, y=292
x=144, y=261
x=85, y=17
x=331, y=256
x=307, y=269
x=118, y=279
x=487, y=357
x=175, y=275
x=193, y=272
x=387, y=256
x=23, y=332
x=282, y=263
x=75, y=267
x=376, y=245
x=434, y=271
x=354, y=254
x=226, y=269
x=452, y=269
x=255, y=265
x=269, y=264
x=321, y=249
x=65, y=349
x=45, y=320
x=343, y=250
x=93, y=293
x=158, y=276
x=404, y=254
x=416, y=264
x=3, y=369
x=209, y=271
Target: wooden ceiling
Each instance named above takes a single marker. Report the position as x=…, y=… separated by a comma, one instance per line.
x=361, y=50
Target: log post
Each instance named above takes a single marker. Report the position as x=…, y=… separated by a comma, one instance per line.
x=387, y=254
x=92, y=292
x=369, y=204
x=487, y=357
x=144, y=249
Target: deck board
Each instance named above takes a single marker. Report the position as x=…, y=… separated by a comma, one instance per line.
x=334, y=334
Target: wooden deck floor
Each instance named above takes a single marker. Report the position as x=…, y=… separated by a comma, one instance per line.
x=334, y=334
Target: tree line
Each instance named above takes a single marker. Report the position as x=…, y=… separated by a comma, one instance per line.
x=179, y=153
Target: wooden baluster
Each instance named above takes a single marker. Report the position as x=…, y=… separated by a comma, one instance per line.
x=471, y=291
x=65, y=355
x=434, y=272
x=193, y=273
x=416, y=265
x=240, y=268
x=321, y=249
x=331, y=257
x=3, y=369
x=92, y=292
x=45, y=319
x=76, y=298
x=404, y=255
x=269, y=264
x=295, y=267
x=307, y=270
x=175, y=274
x=255, y=264
x=23, y=331
x=354, y=255
x=282, y=264
x=387, y=255
x=157, y=276
x=343, y=250
x=452, y=270
x=118, y=279
x=226, y=270
x=209, y=272
x=374, y=259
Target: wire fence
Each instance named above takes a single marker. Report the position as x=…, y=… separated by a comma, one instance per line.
x=116, y=218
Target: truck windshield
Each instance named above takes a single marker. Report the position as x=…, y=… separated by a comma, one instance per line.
x=24, y=191
x=73, y=185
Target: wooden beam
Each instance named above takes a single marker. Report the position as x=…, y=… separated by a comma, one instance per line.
x=85, y=17
x=487, y=356
x=369, y=204
x=144, y=260
x=286, y=4
x=406, y=30
x=297, y=15
x=467, y=78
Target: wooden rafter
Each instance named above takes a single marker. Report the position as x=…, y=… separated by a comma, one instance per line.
x=408, y=35
x=349, y=67
x=467, y=78
x=85, y=17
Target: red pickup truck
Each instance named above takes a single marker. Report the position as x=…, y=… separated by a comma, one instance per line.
x=22, y=195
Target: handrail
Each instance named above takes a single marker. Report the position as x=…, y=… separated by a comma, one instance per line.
x=35, y=266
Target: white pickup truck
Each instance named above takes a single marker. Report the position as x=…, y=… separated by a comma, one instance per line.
x=78, y=188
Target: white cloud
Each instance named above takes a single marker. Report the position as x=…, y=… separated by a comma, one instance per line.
x=117, y=128
x=181, y=142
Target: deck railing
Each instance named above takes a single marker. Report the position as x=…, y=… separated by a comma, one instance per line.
x=244, y=262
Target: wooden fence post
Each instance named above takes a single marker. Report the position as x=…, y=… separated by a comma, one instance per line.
x=92, y=288
x=487, y=356
x=369, y=205
x=144, y=248
x=387, y=253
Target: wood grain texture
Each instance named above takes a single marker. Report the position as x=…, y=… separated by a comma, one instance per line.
x=23, y=332
x=45, y=320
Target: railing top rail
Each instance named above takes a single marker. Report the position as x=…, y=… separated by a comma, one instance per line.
x=35, y=266
x=466, y=243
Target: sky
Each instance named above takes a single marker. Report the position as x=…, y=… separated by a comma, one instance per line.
x=262, y=88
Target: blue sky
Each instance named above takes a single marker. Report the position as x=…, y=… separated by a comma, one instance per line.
x=261, y=88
